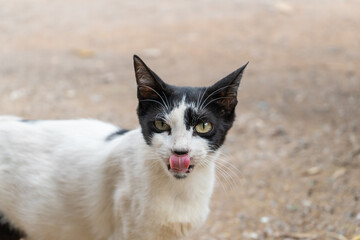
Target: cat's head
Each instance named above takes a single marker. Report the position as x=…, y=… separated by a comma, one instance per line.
x=185, y=126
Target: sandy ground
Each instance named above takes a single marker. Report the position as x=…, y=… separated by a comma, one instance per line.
x=293, y=155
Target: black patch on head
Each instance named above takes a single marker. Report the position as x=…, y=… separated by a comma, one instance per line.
x=191, y=118
x=215, y=104
x=116, y=134
x=220, y=124
x=153, y=95
x=8, y=232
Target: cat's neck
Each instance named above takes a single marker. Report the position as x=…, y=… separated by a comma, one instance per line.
x=140, y=168
x=174, y=200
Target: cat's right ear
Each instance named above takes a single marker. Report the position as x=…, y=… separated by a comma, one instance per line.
x=149, y=85
x=224, y=92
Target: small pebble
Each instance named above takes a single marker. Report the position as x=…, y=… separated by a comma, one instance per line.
x=312, y=171
x=264, y=219
x=306, y=203
x=251, y=235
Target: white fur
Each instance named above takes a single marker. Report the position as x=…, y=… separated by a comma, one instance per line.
x=61, y=180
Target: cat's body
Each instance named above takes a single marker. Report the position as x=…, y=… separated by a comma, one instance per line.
x=86, y=180
x=63, y=193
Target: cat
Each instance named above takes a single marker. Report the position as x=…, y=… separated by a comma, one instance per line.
x=90, y=180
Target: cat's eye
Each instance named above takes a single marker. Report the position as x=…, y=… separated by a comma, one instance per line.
x=203, y=127
x=161, y=125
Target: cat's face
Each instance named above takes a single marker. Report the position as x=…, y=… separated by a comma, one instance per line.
x=185, y=126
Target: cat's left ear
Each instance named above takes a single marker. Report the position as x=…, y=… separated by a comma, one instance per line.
x=224, y=92
x=150, y=86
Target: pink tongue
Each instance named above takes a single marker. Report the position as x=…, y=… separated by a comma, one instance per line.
x=179, y=163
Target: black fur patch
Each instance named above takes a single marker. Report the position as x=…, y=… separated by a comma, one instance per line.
x=220, y=125
x=28, y=121
x=7, y=232
x=192, y=117
x=215, y=104
x=116, y=134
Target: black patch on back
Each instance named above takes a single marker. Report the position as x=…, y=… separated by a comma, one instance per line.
x=8, y=232
x=28, y=121
x=116, y=134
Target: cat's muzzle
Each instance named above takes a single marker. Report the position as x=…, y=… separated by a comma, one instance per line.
x=179, y=165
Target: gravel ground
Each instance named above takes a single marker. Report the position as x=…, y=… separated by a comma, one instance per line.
x=293, y=156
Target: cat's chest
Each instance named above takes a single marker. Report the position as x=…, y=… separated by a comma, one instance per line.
x=179, y=211
x=173, y=218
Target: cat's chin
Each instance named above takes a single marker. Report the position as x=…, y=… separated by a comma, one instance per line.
x=180, y=175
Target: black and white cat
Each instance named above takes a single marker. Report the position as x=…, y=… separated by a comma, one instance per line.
x=89, y=180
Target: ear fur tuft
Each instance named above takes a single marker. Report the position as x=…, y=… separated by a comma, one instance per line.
x=224, y=92
x=149, y=84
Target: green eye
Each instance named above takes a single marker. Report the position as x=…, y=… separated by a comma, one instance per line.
x=161, y=125
x=203, y=127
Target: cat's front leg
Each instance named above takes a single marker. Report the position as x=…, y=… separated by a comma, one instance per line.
x=174, y=231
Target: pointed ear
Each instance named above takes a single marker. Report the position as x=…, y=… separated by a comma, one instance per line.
x=224, y=92
x=149, y=84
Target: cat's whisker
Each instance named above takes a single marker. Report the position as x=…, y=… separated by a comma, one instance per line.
x=233, y=170
x=223, y=160
x=221, y=176
x=153, y=164
x=214, y=92
x=164, y=103
x=220, y=180
x=161, y=116
x=226, y=178
x=216, y=100
x=152, y=100
x=227, y=171
x=200, y=100
x=235, y=178
x=167, y=100
x=228, y=165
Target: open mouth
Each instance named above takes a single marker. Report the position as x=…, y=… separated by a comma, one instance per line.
x=179, y=165
x=174, y=170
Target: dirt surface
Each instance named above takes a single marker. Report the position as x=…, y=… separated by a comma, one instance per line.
x=293, y=155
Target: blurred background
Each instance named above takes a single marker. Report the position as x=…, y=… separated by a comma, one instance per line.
x=293, y=155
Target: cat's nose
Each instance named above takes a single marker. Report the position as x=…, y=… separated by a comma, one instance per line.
x=181, y=151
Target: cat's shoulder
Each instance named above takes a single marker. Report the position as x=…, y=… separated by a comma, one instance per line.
x=77, y=127
x=82, y=123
